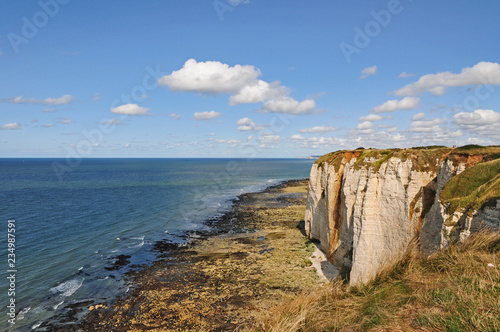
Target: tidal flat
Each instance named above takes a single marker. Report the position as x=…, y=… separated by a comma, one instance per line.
x=252, y=258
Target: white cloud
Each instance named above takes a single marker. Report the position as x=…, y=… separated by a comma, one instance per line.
x=210, y=77
x=366, y=127
x=407, y=103
x=480, y=122
x=175, y=116
x=421, y=125
x=49, y=110
x=297, y=137
x=247, y=124
x=482, y=73
x=368, y=72
x=66, y=99
x=319, y=129
x=130, y=109
x=268, y=140
x=317, y=142
x=225, y=141
x=113, y=122
x=418, y=116
x=259, y=91
x=371, y=117
x=11, y=126
x=405, y=75
x=289, y=105
x=208, y=115
x=211, y=134
x=48, y=125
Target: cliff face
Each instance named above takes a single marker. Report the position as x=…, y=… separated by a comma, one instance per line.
x=366, y=206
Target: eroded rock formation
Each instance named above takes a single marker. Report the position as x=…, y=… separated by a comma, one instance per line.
x=366, y=206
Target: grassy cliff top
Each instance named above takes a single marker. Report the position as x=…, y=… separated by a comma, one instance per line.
x=473, y=188
x=425, y=158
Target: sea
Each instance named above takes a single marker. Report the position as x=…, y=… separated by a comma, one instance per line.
x=74, y=222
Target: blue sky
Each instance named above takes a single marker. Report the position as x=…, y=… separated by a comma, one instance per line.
x=239, y=78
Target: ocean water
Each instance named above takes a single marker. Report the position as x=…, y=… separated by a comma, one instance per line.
x=72, y=226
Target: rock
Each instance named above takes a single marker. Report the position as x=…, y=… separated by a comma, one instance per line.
x=366, y=212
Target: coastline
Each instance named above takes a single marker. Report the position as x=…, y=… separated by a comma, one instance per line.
x=252, y=258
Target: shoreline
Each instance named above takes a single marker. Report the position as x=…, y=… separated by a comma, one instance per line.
x=253, y=257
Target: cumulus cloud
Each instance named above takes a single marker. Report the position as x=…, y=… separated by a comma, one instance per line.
x=48, y=125
x=210, y=77
x=48, y=110
x=11, y=126
x=368, y=72
x=482, y=73
x=130, y=109
x=317, y=142
x=407, y=103
x=480, y=122
x=418, y=116
x=247, y=124
x=318, y=129
x=259, y=91
x=366, y=127
x=405, y=75
x=214, y=77
x=175, y=116
x=297, y=137
x=288, y=105
x=421, y=125
x=268, y=140
x=66, y=99
x=227, y=141
x=207, y=115
x=371, y=117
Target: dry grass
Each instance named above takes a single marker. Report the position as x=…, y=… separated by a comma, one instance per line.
x=472, y=188
x=423, y=159
x=455, y=290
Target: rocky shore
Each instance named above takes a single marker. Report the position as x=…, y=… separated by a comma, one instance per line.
x=253, y=258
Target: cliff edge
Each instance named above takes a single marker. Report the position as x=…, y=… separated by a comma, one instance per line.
x=366, y=206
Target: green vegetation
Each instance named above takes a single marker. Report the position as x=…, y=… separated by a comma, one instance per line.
x=473, y=188
x=430, y=147
x=473, y=149
x=423, y=159
x=455, y=290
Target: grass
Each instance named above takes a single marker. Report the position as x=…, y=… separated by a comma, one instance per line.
x=454, y=290
x=473, y=188
x=423, y=159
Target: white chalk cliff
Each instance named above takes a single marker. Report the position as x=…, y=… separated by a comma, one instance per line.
x=366, y=206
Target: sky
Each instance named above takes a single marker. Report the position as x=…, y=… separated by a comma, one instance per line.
x=245, y=78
